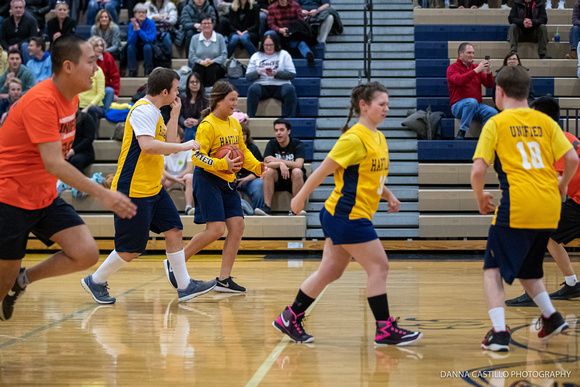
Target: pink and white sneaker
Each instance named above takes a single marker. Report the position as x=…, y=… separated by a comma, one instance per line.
x=388, y=333
x=291, y=324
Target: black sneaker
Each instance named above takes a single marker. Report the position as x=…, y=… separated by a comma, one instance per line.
x=523, y=300
x=291, y=324
x=263, y=211
x=310, y=58
x=169, y=273
x=550, y=326
x=388, y=333
x=496, y=341
x=567, y=292
x=8, y=302
x=228, y=286
x=460, y=135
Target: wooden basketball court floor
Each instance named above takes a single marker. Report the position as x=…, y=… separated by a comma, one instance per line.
x=59, y=336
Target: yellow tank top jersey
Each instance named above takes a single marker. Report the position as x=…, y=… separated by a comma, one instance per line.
x=358, y=187
x=523, y=145
x=138, y=173
x=212, y=134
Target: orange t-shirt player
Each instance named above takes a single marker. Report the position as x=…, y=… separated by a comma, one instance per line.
x=44, y=116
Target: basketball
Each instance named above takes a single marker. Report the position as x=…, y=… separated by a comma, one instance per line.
x=235, y=152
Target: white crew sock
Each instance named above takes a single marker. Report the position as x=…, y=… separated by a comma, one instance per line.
x=571, y=280
x=544, y=303
x=177, y=261
x=112, y=264
x=497, y=316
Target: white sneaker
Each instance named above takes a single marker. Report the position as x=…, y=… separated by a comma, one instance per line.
x=191, y=212
x=505, y=6
x=561, y=5
x=485, y=6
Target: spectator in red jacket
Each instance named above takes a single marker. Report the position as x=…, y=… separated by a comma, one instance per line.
x=465, y=79
x=107, y=63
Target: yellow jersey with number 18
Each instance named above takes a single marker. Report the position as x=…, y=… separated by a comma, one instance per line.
x=523, y=145
x=138, y=173
x=363, y=157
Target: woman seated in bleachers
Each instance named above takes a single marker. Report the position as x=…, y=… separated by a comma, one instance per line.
x=164, y=14
x=208, y=53
x=91, y=101
x=513, y=59
x=244, y=24
x=106, y=62
x=82, y=153
x=192, y=105
x=271, y=70
x=108, y=30
x=142, y=36
x=191, y=20
x=62, y=24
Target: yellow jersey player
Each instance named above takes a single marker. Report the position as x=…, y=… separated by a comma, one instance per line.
x=523, y=145
x=139, y=172
x=360, y=163
x=217, y=202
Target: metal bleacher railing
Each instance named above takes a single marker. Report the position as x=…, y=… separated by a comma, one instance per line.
x=571, y=120
x=368, y=38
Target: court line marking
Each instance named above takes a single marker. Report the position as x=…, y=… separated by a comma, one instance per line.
x=69, y=317
x=267, y=364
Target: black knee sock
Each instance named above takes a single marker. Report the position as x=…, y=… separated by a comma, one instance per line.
x=380, y=307
x=301, y=303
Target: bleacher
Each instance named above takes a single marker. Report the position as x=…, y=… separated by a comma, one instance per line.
x=447, y=206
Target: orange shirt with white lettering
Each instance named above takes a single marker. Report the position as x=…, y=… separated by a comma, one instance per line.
x=42, y=115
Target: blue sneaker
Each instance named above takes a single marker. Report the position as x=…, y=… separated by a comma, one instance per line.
x=169, y=273
x=194, y=289
x=100, y=292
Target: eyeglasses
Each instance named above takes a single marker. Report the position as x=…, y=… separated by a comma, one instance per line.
x=206, y=23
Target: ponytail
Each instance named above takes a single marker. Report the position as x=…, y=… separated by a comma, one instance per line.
x=364, y=92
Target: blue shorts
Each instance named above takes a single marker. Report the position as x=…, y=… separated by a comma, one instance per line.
x=518, y=253
x=215, y=199
x=156, y=213
x=17, y=223
x=344, y=231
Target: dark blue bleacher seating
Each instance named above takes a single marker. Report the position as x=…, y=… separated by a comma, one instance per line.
x=443, y=33
x=302, y=127
x=445, y=150
x=431, y=67
x=305, y=87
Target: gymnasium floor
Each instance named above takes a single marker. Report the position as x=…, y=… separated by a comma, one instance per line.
x=59, y=336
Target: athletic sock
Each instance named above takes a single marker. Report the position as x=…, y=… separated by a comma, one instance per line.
x=497, y=316
x=544, y=303
x=23, y=279
x=112, y=264
x=301, y=303
x=571, y=280
x=380, y=307
x=177, y=261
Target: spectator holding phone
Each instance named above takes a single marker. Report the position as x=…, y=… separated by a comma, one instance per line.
x=464, y=79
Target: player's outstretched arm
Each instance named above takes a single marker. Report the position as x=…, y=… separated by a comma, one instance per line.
x=56, y=165
x=155, y=147
x=327, y=167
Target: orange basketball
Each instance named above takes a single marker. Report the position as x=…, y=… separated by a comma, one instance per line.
x=235, y=152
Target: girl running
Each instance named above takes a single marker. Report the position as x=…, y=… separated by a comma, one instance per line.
x=360, y=163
